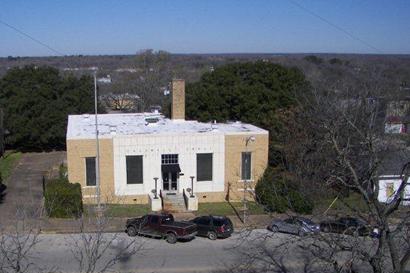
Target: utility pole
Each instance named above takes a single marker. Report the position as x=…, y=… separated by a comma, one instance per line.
x=244, y=200
x=97, y=159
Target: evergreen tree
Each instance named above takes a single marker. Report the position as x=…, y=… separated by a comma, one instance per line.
x=36, y=103
x=249, y=92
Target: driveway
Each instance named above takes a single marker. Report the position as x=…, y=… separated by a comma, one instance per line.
x=25, y=191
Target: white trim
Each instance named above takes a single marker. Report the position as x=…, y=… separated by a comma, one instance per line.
x=393, y=175
x=250, y=190
x=90, y=196
x=109, y=136
x=261, y=132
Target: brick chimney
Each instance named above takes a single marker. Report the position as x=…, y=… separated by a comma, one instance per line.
x=178, y=99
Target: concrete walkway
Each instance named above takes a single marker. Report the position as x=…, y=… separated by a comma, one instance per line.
x=23, y=198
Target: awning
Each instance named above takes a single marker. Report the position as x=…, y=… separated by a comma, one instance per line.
x=171, y=168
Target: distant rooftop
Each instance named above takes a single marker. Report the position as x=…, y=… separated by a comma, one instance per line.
x=109, y=125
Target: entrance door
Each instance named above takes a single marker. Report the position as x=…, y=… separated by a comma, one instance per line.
x=170, y=172
x=170, y=181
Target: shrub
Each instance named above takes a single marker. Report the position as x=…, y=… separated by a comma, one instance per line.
x=63, y=199
x=62, y=171
x=277, y=193
x=299, y=203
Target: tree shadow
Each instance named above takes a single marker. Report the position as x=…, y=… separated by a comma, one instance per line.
x=235, y=210
x=3, y=192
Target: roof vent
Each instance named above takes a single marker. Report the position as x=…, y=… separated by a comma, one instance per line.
x=155, y=109
x=151, y=120
x=113, y=130
x=86, y=116
x=214, y=126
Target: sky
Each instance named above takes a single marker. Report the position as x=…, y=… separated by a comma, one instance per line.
x=99, y=27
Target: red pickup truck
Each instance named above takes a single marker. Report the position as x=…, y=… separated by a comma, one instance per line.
x=162, y=226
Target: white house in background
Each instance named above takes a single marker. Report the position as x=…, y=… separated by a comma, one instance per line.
x=397, y=117
x=389, y=184
x=391, y=179
x=397, y=125
x=106, y=79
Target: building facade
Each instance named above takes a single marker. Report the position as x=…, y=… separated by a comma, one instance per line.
x=143, y=154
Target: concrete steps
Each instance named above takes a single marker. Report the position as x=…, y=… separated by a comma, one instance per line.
x=174, y=203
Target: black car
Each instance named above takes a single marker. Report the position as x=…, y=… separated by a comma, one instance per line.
x=349, y=226
x=214, y=227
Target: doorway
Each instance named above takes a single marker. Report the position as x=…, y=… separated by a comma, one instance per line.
x=170, y=172
x=170, y=181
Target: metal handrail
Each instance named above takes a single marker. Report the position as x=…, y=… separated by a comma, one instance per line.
x=162, y=199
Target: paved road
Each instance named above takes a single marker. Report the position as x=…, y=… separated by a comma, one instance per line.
x=24, y=192
x=198, y=255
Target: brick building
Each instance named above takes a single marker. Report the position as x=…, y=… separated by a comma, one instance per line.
x=141, y=152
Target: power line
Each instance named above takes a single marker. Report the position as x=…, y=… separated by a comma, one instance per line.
x=31, y=38
x=352, y=36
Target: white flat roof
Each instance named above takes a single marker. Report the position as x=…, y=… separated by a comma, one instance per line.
x=109, y=125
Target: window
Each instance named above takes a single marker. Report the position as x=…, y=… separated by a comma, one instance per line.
x=134, y=169
x=90, y=171
x=168, y=219
x=390, y=189
x=246, y=166
x=204, y=167
x=219, y=221
x=154, y=219
x=205, y=221
x=169, y=159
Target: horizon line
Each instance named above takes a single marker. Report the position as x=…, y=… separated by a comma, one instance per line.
x=213, y=53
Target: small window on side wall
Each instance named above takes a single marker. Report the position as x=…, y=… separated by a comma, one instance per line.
x=246, y=166
x=90, y=171
x=134, y=169
x=204, y=167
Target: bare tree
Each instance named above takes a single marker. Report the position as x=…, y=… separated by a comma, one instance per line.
x=96, y=249
x=16, y=247
x=19, y=237
x=121, y=101
x=357, y=149
x=154, y=72
x=334, y=145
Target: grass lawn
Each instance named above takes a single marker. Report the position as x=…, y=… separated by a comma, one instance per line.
x=121, y=210
x=8, y=162
x=225, y=208
x=343, y=205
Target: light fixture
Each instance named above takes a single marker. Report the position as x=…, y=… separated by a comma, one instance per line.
x=250, y=138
